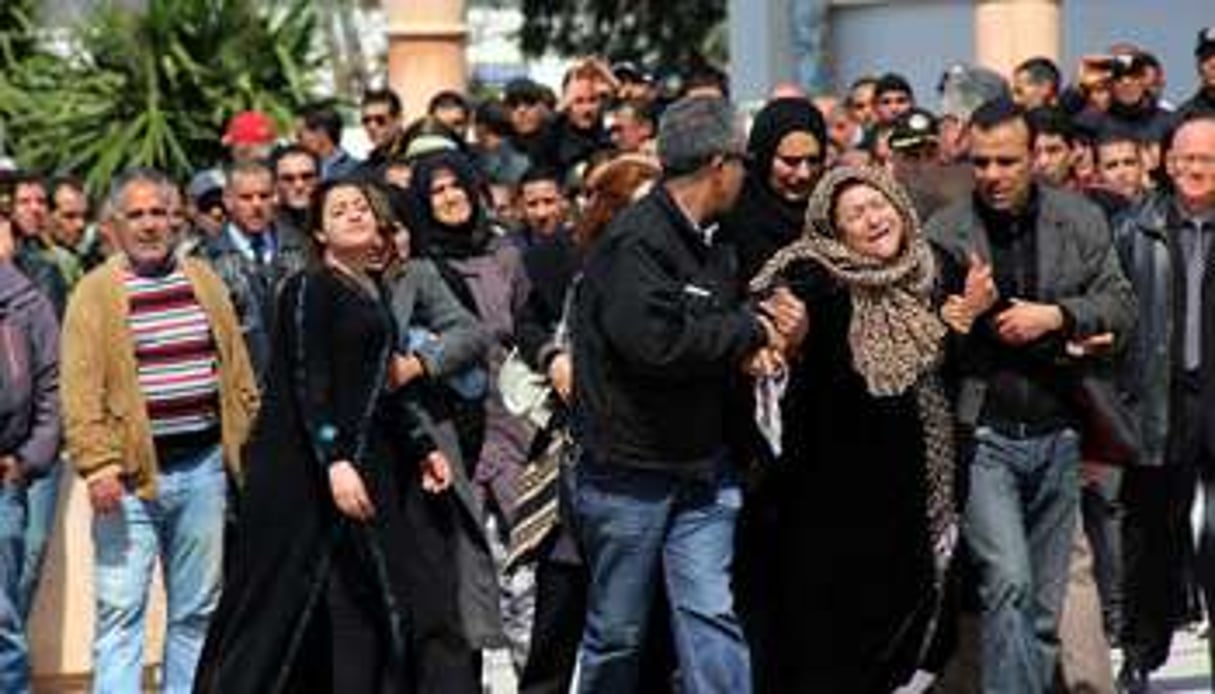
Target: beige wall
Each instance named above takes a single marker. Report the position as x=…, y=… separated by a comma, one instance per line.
x=1009, y=31
x=426, y=50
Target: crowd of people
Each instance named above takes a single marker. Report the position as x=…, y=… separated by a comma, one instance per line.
x=839, y=395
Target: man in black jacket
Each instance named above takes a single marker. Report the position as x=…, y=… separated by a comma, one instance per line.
x=252, y=255
x=297, y=175
x=577, y=131
x=1060, y=283
x=1166, y=246
x=660, y=338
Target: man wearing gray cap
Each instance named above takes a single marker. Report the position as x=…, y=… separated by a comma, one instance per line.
x=660, y=341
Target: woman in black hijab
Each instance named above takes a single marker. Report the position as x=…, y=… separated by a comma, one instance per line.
x=453, y=229
x=787, y=149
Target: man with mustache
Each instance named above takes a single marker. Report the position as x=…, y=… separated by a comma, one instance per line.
x=1060, y=285
x=154, y=423
x=252, y=254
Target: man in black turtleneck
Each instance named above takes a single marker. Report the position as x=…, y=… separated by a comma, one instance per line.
x=1059, y=281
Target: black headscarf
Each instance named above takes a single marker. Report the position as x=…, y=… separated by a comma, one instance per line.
x=776, y=120
x=430, y=236
x=763, y=221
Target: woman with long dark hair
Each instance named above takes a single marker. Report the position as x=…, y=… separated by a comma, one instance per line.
x=316, y=599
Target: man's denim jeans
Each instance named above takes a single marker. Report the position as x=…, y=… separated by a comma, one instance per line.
x=639, y=527
x=43, y=498
x=1020, y=516
x=184, y=527
x=14, y=656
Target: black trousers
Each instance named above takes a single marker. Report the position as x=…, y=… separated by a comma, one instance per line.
x=556, y=629
x=1160, y=560
x=1101, y=513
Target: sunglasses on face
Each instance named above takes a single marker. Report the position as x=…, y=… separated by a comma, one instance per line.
x=981, y=162
x=305, y=177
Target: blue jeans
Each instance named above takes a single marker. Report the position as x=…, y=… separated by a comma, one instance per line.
x=184, y=527
x=43, y=495
x=14, y=654
x=638, y=527
x=1019, y=521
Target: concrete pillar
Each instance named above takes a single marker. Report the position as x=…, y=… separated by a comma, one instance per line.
x=1009, y=31
x=426, y=50
x=61, y=626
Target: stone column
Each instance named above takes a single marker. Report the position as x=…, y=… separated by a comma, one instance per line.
x=1010, y=31
x=426, y=50
x=61, y=626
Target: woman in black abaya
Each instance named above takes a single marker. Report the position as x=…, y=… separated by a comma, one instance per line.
x=316, y=598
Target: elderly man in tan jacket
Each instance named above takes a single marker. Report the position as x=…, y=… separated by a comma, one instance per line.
x=158, y=397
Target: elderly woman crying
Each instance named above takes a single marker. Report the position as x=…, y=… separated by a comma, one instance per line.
x=863, y=520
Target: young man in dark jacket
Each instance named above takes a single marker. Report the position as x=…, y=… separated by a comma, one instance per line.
x=659, y=337
x=29, y=446
x=1060, y=283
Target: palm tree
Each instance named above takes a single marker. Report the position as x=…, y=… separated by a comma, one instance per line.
x=666, y=32
x=153, y=87
x=16, y=28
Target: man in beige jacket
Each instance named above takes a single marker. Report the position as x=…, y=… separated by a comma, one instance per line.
x=158, y=396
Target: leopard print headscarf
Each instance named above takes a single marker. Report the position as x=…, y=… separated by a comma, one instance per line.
x=897, y=339
x=895, y=335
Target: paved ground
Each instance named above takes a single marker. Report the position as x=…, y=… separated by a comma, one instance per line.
x=1188, y=669
x=1187, y=672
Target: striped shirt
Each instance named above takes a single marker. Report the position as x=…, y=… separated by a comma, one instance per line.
x=175, y=355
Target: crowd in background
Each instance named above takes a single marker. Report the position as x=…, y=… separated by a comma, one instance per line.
x=840, y=394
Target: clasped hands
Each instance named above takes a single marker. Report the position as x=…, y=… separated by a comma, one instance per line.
x=1021, y=323
x=784, y=320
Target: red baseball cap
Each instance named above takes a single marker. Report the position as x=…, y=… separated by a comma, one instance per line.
x=249, y=128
